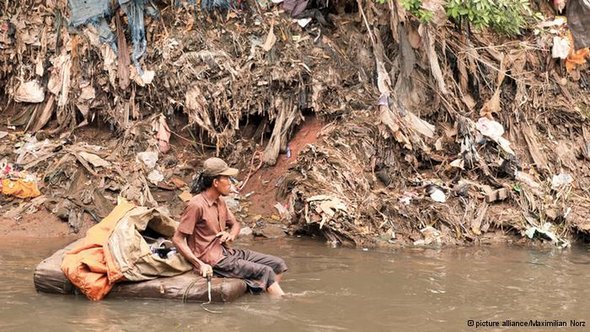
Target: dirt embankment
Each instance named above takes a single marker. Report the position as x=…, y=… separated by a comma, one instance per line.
x=41, y=223
x=262, y=186
x=259, y=193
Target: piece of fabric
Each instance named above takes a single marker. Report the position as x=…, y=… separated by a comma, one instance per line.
x=134, y=10
x=294, y=7
x=115, y=250
x=87, y=264
x=131, y=255
x=578, y=20
x=19, y=188
x=257, y=269
x=201, y=221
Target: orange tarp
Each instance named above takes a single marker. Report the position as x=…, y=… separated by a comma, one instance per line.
x=19, y=188
x=89, y=265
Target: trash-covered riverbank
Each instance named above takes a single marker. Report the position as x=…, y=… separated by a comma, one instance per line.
x=409, y=133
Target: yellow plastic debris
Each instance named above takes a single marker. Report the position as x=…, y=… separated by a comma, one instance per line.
x=20, y=188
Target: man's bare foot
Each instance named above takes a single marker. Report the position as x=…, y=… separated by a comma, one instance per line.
x=275, y=290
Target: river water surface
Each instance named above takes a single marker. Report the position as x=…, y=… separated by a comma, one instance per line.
x=332, y=290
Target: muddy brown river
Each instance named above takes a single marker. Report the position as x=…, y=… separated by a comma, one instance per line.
x=335, y=290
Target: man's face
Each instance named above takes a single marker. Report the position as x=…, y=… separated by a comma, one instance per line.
x=222, y=184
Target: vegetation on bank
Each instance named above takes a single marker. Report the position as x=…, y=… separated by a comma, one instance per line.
x=504, y=16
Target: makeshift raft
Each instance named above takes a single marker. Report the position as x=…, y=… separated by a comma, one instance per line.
x=187, y=287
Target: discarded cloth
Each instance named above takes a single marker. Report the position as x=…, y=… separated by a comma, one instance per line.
x=87, y=264
x=16, y=182
x=134, y=10
x=114, y=250
x=20, y=188
x=294, y=7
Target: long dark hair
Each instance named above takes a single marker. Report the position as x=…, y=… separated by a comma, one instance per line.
x=201, y=182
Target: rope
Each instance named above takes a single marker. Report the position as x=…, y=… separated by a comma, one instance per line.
x=209, y=296
x=186, y=291
x=253, y=169
x=185, y=295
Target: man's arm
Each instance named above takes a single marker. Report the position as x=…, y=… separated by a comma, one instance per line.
x=192, y=212
x=179, y=240
x=234, y=229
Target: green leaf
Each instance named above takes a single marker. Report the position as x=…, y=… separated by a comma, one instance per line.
x=517, y=188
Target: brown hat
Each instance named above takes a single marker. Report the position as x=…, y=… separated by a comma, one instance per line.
x=216, y=167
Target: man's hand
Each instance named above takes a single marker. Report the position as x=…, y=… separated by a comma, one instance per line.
x=225, y=237
x=206, y=270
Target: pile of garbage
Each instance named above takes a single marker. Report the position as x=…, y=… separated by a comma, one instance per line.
x=71, y=177
x=472, y=144
x=432, y=136
x=18, y=183
x=71, y=60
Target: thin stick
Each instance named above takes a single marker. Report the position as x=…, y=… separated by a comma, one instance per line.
x=366, y=23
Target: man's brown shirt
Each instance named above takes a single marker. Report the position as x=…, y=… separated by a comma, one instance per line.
x=201, y=221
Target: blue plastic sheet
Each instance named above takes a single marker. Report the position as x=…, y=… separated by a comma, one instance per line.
x=134, y=10
x=98, y=13
x=95, y=13
x=84, y=11
x=105, y=33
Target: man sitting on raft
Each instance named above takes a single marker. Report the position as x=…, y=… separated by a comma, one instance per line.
x=206, y=227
